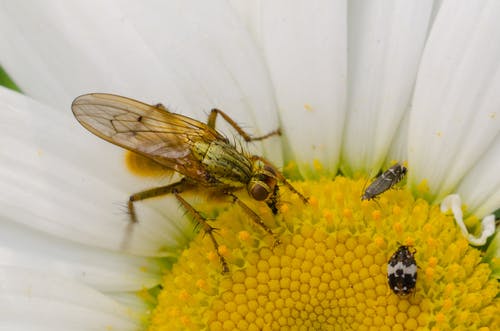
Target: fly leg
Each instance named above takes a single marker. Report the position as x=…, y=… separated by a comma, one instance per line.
x=143, y=195
x=179, y=186
x=161, y=106
x=255, y=217
x=213, y=116
x=176, y=189
x=207, y=228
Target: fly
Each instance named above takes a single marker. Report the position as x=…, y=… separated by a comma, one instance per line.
x=204, y=157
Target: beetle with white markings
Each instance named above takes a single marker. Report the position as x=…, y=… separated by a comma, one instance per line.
x=402, y=271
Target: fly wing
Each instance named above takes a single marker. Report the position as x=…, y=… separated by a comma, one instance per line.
x=152, y=131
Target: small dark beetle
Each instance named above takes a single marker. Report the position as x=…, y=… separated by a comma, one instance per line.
x=385, y=181
x=402, y=271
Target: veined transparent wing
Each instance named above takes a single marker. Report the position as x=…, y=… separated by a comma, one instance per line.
x=152, y=131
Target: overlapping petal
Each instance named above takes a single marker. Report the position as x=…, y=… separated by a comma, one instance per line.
x=98, y=268
x=61, y=180
x=43, y=301
x=183, y=54
x=292, y=36
x=386, y=39
x=454, y=120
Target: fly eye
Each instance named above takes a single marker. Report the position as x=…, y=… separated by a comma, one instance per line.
x=262, y=183
x=259, y=191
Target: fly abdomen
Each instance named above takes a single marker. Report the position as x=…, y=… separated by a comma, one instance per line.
x=231, y=167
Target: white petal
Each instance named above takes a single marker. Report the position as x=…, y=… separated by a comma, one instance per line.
x=456, y=101
x=58, y=178
x=132, y=300
x=192, y=56
x=386, y=39
x=481, y=186
x=304, y=44
x=399, y=147
x=32, y=300
x=98, y=268
x=454, y=203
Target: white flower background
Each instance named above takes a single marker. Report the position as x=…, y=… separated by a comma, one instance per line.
x=353, y=85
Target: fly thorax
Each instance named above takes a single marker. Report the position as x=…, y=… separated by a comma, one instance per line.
x=263, y=181
x=224, y=162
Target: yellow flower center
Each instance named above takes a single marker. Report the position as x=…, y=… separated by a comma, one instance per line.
x=330, y=270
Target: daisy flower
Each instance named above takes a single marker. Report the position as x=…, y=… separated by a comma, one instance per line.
x=354, y=86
